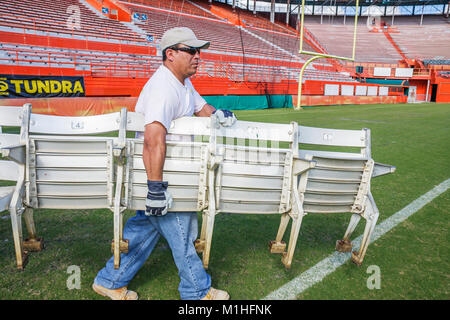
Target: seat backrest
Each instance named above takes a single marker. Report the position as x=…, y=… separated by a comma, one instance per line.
x=8, y=170
x=9, y=117
x=70, y=161
x=11, y=172
x=255, y=175
x=342, y=140
x=340, y=180
x=185, y=166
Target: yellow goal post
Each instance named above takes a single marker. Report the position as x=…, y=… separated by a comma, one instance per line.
x=317, y=55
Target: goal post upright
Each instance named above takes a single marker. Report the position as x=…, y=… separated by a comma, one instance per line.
x=316, y=55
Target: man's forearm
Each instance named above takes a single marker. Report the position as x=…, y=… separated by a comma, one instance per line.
x=154, y=158
x=154, y=153
x=206, y=111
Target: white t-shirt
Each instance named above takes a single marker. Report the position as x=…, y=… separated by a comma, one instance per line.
x=164, y=99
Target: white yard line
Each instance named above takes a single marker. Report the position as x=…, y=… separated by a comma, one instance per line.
x=328, y=265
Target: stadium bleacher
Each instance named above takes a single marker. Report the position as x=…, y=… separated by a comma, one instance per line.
x=253, y=50
x=213, y=29
x=434, y=40
x=186, y=7
x=337, y=38
x=248, y=18
x=52, y=16
x=286, y=41
x=99, y=63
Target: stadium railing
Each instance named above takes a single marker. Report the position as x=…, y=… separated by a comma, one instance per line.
x=249, y=168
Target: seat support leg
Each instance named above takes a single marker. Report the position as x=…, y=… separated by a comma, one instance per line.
x=208, y=238
x=200, y=243
x=371, y=213
x=295, y=229
x=32, y=243
x=279, y=246
x=345, y=245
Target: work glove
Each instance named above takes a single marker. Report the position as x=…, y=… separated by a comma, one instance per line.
x=225, y=117
x=159, y=200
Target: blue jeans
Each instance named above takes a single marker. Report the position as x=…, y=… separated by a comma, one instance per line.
x=180, y=230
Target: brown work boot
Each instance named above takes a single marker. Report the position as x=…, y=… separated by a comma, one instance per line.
x=215, y=294
x=115, y=294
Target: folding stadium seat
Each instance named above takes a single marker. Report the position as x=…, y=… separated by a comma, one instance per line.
x=340, y=180
x=256, y=174
x=255, y=178
x=11, y=197
x=62, y=167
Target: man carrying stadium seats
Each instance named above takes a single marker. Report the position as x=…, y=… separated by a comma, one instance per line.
x=167, y=95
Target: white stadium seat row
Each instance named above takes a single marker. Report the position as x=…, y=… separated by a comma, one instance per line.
x=249, y=168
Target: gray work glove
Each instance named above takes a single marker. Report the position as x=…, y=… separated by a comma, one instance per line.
x=225, y=117
x=159, y=200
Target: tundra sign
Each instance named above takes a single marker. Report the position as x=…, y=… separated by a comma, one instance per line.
x=15, y=86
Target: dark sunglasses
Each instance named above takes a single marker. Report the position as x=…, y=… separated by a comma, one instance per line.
x=189, y=50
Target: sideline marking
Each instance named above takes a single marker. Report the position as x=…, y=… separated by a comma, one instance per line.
x=317, y=273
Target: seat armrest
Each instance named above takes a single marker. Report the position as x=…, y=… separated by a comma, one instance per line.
x=381, y=169
x=300, y=165
x=15, y=153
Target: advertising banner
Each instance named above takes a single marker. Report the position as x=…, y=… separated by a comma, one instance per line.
x=18, y=86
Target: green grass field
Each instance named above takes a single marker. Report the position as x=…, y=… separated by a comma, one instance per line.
x=413, y=257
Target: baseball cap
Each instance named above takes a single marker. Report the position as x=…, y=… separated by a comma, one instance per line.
x=181, y=35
